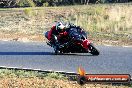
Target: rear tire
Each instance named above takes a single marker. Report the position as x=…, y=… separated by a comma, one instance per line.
x=56, y=50
x=93, y=50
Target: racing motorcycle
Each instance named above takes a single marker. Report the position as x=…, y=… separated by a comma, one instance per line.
x=75, y=42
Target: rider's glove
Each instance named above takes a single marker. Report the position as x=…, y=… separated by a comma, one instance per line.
x=63, y=34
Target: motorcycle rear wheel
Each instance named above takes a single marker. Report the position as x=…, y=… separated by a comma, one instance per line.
x=56, y=50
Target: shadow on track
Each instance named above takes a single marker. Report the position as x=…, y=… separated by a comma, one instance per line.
x=43, y=53
x=26, y=53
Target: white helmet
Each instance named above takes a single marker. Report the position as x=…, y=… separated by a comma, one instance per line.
x=60, y=26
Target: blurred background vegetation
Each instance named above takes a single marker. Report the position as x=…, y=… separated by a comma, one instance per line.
x=103, y=19
x=39, y=3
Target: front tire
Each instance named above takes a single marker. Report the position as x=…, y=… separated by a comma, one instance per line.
x=93, y=50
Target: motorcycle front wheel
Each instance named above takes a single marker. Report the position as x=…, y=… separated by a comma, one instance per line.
x=93, y=50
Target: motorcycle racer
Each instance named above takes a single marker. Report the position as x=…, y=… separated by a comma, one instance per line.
x=56, y=32
x=69, y=38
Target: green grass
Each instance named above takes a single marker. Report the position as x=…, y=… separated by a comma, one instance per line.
x=26, y=78
x=11, y=73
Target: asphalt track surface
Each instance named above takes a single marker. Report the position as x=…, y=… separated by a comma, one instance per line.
x=37, y=55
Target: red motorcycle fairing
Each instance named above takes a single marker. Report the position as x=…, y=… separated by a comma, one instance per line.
x=86, y=43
